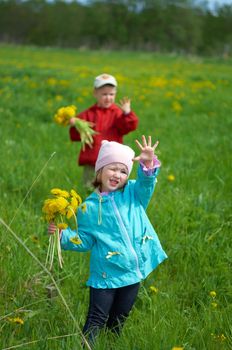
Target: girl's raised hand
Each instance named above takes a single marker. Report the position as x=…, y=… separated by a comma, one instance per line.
x=147, y=151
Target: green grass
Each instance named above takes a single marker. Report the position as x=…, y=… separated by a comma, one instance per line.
x=183, y=102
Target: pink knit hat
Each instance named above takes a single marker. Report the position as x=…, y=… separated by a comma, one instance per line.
x=114, y=152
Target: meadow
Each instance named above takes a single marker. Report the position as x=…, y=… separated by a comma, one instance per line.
x=185, y=103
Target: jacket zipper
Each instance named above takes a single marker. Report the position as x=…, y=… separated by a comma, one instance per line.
x=126, y=235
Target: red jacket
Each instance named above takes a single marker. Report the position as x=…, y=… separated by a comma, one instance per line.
x=110, y=123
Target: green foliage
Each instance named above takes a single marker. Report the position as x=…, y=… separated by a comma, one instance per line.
x=186, y=104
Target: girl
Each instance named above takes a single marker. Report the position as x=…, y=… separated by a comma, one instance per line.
x=115, y=228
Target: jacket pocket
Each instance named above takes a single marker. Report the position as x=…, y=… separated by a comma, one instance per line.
x=146, y=245
x=118, y=260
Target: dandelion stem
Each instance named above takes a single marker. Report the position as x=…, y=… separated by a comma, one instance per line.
x=59, y=248
x=50, y=275
x=52, y=253
x=49, y=251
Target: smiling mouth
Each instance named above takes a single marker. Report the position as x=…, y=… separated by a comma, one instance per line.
x=114, y=182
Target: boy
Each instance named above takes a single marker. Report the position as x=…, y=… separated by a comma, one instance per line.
x=109, y=121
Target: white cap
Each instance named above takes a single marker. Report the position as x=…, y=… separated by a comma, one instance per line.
x=104, y=79
x=114, y=152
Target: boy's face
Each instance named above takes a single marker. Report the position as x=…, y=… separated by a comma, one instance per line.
x=105, y=96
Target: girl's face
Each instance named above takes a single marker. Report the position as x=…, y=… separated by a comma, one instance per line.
x=113, y=177
x=105, y=96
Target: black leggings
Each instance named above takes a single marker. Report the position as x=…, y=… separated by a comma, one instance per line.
x=109, y=307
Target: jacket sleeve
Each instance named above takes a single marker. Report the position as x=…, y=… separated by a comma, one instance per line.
x=145, y=186
x=126, y=123
x=87, y=241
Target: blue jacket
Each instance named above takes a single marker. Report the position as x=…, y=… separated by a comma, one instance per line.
x=115, y=227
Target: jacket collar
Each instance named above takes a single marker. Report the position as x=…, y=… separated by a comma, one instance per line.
x=96, y=195
x=96, y=107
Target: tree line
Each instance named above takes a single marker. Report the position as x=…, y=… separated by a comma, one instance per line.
x=182, y=26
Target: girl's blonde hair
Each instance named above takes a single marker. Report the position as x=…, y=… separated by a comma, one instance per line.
x=97, y=179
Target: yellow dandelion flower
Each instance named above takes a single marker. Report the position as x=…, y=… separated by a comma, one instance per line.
x=75, y=195
x=223, y=338
x=176, y=106
x=171, y=178
x=70, y=212
x=61, y=204
x=219, y=337
x=46, y=205
x=59, y=192
x=85, y=93
x=61, y=207
x=58, y=97
x=51, y=81
x=213, y=294
x=74, y=204
x=64, y=114
x=206, y=84
x=178, y=348
x=177, y=82
x=58, y=119
x=153, y=289
x=48, y=209
x=80, y=99
x=64, y=83
x=214, y=305
x=32, y=85
x=169, y=94
x=16, y=320
x=55, y=206
x=62, y=226
x=158, y=82
x=71, y=110
x=75, y=240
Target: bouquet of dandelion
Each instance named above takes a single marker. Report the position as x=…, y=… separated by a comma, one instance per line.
x=61, y=207
x=63, y=116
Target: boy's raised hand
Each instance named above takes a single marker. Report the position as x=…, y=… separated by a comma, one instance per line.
x=147, y=151
x=72, y=121
x=125, y=105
